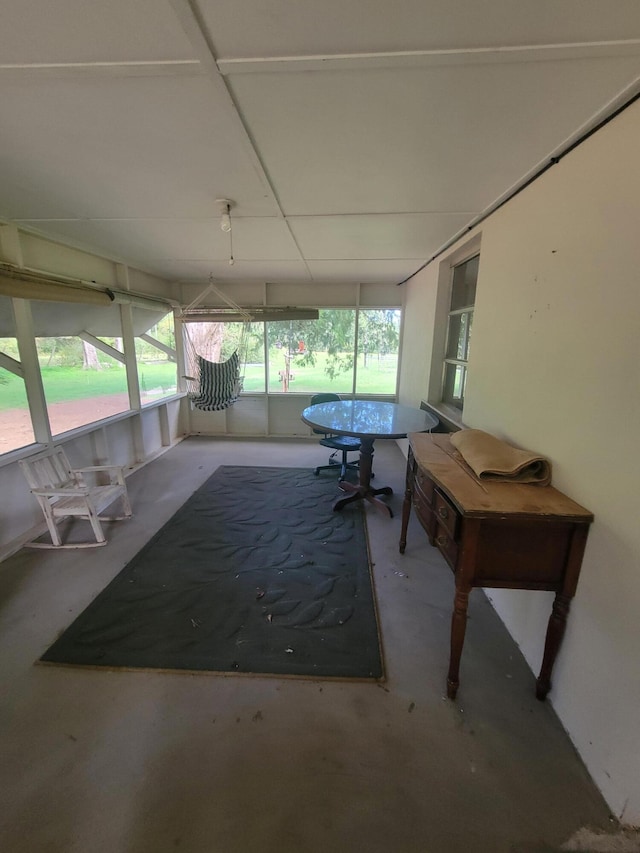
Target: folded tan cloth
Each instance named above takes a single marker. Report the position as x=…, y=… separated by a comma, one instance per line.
x=493, y=459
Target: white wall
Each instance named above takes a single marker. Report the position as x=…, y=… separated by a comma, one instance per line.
x=554, y=368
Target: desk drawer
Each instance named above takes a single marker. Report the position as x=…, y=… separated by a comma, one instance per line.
x=446, y=545
x=446, y=514
x=423, y=488
x=424, y=513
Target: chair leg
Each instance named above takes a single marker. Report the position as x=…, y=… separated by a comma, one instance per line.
x=343, y=466
x=332, y=464
x=51, y=523
x=346, y=466
x=56, y=540
x=95, y=524
x=331, y=467
x=126, y=503
x=343, y=463
x=127, y=512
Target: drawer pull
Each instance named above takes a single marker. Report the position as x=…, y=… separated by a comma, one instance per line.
x=441, y=541
x=443, y=512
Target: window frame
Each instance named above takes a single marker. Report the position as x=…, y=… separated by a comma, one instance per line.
x=450, y=364
x=353, y=390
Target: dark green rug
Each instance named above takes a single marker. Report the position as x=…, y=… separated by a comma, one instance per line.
x=254, y=574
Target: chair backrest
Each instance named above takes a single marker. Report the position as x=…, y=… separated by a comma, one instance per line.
x=49, y=469
x=323, y=398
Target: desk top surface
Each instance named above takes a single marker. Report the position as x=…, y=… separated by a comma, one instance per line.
x=368, y=419
x=436, y=455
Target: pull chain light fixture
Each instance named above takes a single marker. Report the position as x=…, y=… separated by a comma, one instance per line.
x=225, y=205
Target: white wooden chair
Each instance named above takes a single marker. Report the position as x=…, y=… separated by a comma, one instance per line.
x=63, y=491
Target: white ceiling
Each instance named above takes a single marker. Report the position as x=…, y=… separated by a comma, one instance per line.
x=355, y=137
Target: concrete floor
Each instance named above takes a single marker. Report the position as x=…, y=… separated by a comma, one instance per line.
x=143, y=762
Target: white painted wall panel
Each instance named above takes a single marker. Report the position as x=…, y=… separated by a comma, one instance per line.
x=207, y=423
x=284, y=415
x=329, y=295
x=151, y=434
x=54, y=258
x=554, y=368
x=248, y=416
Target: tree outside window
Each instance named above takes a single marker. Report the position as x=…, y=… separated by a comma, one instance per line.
x=326, y=354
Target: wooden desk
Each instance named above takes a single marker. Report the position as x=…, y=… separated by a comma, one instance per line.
x=495, y=535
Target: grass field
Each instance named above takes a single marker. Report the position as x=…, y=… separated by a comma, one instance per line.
x=74, y=383
x=379, y=377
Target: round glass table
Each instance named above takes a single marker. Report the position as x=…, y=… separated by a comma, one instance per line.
x=367, y=420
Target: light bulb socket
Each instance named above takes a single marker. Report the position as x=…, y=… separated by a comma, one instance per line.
x=225, y=205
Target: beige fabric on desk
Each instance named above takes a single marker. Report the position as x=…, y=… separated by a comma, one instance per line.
x=493, y=459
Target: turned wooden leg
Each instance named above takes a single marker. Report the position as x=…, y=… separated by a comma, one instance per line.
x=365, y=464
x=555, y=633
x=458, y=628
x=406, y=512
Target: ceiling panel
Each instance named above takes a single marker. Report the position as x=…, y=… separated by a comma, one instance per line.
x=190, y=269
x=124, y=147
x=39, y=31
x=381, y=236
x=354, y=139
x=363, y=271
x=443, y=139
x=197, y=239
x=307, y=27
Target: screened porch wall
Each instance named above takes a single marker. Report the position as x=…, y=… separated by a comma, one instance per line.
x=276, y=414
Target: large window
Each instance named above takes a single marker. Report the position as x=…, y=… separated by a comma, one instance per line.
x=345, y=351
x=327, y=354
x=463, y=297
x=156, y=359
x=81, y=357
x=82, y=383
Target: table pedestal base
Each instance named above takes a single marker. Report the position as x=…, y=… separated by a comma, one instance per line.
x=362, y=490
x=358, y=492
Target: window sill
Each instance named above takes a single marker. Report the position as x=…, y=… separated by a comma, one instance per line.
x=450, y=418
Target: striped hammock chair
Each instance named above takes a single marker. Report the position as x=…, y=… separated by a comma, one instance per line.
x=219, y=383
